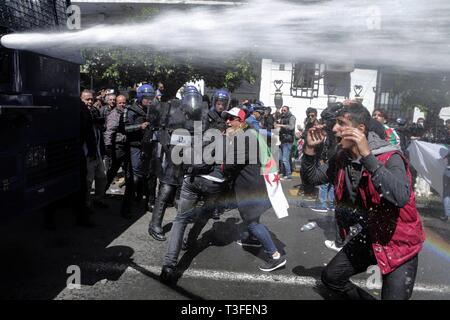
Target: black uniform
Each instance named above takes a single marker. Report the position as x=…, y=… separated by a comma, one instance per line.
x=170, y=174
x=214, y=120
x=142, y=146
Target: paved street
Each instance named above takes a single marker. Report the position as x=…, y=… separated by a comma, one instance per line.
x=119, y=260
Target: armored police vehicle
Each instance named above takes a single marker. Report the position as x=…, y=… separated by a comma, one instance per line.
x=39, y=112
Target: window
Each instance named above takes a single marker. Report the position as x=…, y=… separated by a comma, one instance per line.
x=303, y=75
x=391, y=103
x=305, y=80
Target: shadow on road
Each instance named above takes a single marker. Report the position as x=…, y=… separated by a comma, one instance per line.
x=220, y=234
x=223, y=234
x=319, y=288
x=176, y=288
x=37, y=260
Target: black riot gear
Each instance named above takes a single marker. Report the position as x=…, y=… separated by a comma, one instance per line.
x=176, y=115
x=142, y=142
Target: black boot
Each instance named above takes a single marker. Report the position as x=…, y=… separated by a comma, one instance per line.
x=155, y=228
x=169, y=275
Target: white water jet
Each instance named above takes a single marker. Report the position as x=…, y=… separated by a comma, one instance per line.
x=412, y=34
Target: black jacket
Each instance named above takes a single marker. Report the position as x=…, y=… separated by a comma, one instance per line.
x=87, y=135
x=249, y=186
x=133, y=117
x=214, y=120
x=287, y=134
x=391, y=179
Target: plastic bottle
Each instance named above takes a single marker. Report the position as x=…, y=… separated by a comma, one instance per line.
x=309, y=226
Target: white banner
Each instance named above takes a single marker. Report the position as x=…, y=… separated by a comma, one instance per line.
x=429, y=161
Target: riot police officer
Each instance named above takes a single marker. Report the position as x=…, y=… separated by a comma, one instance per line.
x=177, y=115
x=220, y=102
x=141, y=122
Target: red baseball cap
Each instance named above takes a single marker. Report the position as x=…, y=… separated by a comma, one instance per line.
x=235, y=112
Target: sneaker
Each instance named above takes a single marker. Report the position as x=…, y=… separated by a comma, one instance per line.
x=249, y=242
x=319, y=208
x=286, y=178
x=332, y=245
x=443, y=218
x=273, y=264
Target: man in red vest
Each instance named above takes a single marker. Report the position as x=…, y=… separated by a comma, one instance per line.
x=375, y=206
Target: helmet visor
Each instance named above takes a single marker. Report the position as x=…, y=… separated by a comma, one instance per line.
x=192, y=103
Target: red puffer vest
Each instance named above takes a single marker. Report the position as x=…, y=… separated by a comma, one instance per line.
x=396, y=233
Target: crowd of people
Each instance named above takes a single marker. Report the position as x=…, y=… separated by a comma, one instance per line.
x=136, y=135
x=358, y=161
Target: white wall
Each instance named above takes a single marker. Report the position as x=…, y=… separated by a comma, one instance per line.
x=445, y=113
x=368, y=79
x=199, y=84
x=418, y=114
x=270, y=72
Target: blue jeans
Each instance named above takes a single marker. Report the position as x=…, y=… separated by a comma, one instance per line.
x=285, y=158
x=447, y=206
x=326, y=195
x=136, y=162
x=260, y=232
x=187, y=213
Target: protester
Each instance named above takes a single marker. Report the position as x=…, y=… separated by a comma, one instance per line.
x=372, y=183
x=249, y=185
x=391, y=135
x=115, y=141
x=88, y=151
x=446, y=190
x=286, y=124
x=95, y=166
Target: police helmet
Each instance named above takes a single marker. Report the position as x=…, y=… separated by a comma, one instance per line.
x=145, y=91
x=221, y=95
x=401, y=121
x=192, y=102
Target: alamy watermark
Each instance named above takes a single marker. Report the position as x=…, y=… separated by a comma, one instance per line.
x=212, y=147
x=374, y=281
x=73, y=17
x=74, y=280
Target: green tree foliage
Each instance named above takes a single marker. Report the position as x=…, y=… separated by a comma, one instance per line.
x=125, y=67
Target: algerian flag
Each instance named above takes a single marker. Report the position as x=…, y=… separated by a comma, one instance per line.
x=269, y=169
